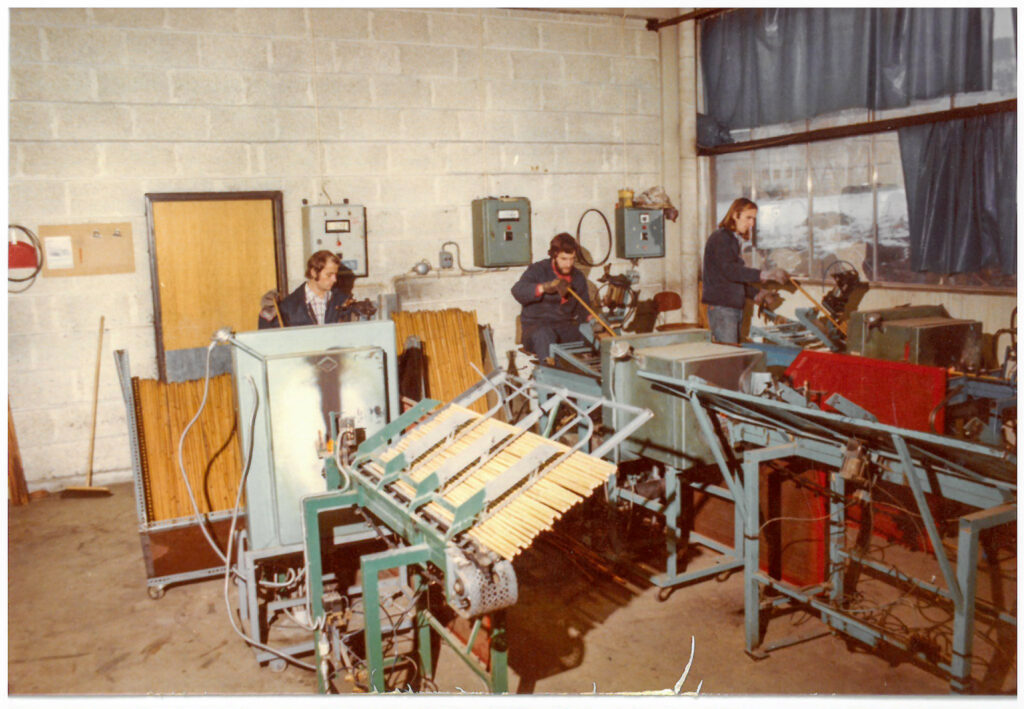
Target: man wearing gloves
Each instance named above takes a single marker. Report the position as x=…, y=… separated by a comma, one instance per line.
x=727, y=279
x=550, y=313
x=315, y=302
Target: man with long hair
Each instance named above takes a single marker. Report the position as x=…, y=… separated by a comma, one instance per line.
x=727, y=279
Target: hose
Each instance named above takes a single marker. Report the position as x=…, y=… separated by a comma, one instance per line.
x=608, y=228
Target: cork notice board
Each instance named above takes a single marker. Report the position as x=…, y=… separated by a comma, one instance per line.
x=87, y=249
x=213, y=256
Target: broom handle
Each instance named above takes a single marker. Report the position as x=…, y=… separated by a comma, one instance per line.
x=596, y=316
x=95, y=402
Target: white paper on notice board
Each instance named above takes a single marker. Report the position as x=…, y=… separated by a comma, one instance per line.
x=59, y=253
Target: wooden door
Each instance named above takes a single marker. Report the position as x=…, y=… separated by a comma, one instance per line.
x=213, y=256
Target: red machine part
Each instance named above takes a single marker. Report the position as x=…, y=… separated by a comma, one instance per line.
x=897, y=393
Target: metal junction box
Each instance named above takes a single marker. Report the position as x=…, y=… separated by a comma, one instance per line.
x=673, y=437
x=923, y=334
x=300, y=376
x=501, y=231
x=639, y=233
x=338, y=228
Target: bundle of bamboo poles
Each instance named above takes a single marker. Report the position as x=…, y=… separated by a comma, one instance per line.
x=529, y=509
x=451, y=342
x=210, y=454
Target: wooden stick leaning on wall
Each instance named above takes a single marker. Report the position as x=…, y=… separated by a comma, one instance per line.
x=89, y=490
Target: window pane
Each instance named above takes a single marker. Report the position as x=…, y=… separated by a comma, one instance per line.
x=842, y=221
x=780, y=183
x=893, y=257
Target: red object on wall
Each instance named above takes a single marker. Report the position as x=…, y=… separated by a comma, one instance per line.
x=20, y=255
x=897, y=393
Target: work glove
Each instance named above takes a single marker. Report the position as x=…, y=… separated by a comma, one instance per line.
x=774, y=274
x=267, y=310
x=362, y=308
x=768, y=299
x=556, y=285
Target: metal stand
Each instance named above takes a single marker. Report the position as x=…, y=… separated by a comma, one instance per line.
x=965, y=472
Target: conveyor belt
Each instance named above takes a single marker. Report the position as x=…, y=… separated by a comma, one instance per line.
x=531, y=481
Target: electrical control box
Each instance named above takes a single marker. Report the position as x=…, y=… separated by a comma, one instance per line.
x=339, y=228
x=639, y=233
x=501, y=231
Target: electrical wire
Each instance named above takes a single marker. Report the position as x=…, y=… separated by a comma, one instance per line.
x=458, y=261
x=201, y=520
x=608, y=228
x=231, y=536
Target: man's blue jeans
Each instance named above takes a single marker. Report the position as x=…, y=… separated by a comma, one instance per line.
x=725, y=324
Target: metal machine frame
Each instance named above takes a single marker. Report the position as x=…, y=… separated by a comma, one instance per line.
x=972, y=474
x=426, y=549
x=182, y=530
x=588, y=379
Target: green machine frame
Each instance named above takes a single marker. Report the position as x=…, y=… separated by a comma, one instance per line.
x=425, y=545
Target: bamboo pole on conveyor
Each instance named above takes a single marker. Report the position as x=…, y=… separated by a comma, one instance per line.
x=507, y=532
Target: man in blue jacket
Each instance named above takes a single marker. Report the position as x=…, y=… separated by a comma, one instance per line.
x=550, y=313
x=315, y=302
x=727, y=279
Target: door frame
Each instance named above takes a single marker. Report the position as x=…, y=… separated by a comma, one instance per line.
x=276, y=199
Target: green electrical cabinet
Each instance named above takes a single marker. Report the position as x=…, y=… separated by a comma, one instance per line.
x=639, y=233
x=501, y=231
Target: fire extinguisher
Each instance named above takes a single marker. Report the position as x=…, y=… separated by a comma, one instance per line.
x=22, y=254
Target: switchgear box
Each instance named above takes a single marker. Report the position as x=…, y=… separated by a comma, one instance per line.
x=338, y=228
x=501, y=231
x=639, y=233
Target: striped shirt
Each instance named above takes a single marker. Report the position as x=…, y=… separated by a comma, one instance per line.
x=317, y=305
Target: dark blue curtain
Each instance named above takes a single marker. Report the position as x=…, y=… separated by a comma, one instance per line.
x=767, y=66
x=961, y=185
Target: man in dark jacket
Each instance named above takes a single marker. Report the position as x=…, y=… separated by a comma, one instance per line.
x=727, y=279
x=550, y=313
x=315, y=302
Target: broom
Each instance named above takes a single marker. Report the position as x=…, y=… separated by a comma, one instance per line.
x=89, y=490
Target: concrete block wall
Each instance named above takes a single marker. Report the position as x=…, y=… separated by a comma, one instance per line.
x=413, y=113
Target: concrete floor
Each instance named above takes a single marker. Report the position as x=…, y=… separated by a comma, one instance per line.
x=80, y=622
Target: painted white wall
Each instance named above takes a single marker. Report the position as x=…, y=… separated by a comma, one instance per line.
x=413, y=113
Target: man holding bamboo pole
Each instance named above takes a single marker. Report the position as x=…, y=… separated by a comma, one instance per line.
x=550, y=312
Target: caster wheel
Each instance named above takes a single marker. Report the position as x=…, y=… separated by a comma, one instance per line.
x=663, y=594
x=278, y=665
x=155, y=592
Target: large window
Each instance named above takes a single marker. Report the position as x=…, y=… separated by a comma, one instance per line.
x=844, y=200
x=824, y=202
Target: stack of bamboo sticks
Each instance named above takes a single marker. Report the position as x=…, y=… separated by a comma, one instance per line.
x=210, y=454
x=451, y=342
x=529, y=509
